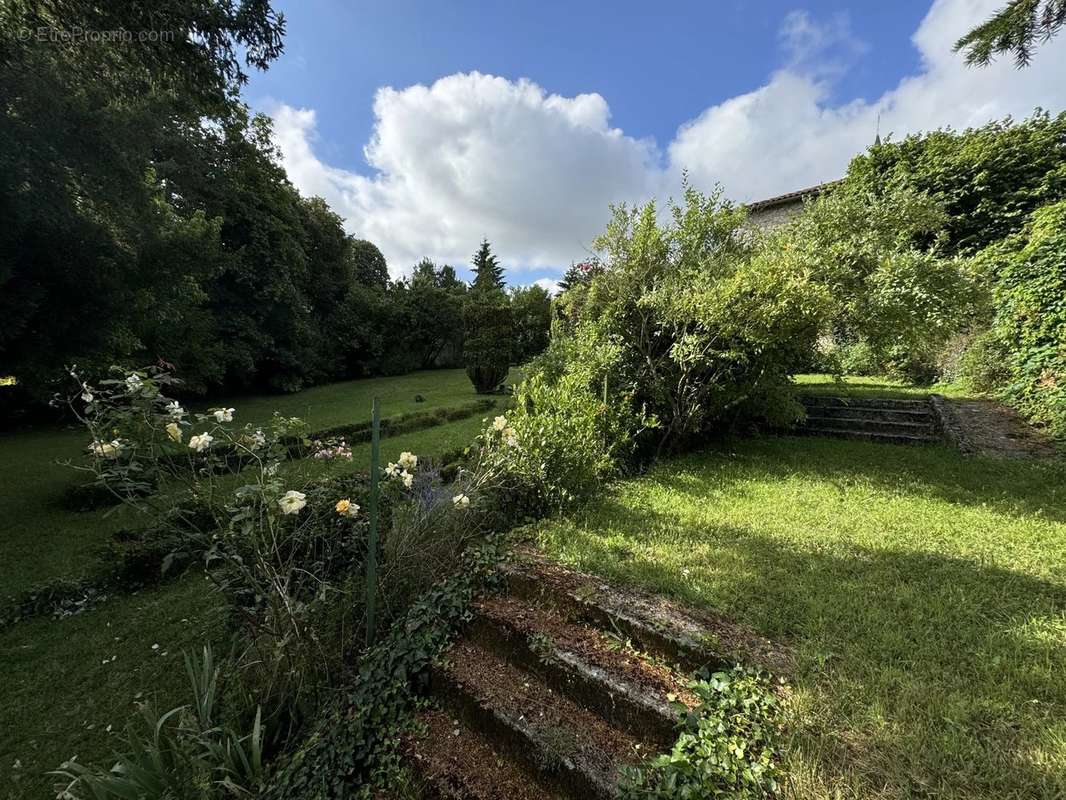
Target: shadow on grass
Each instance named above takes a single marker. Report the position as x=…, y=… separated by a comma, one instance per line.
x=918, y=673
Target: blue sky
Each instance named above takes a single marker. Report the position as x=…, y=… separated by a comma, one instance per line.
x=617, y=99
x=657, y=68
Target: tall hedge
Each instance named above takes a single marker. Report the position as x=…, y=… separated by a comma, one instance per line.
x=988, y=179
x=1028, y=273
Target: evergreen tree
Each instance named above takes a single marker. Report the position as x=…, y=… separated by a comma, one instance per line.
x=488, y=274
x=1015, y=29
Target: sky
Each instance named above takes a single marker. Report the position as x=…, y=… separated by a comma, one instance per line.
x=430, y=125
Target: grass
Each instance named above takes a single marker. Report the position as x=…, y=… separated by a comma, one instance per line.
x=924, y=595
x=42, y=539
x=863, y=386
x=350, y=401
x=59, y=696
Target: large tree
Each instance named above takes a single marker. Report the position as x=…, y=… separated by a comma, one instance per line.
x=97, y=250
x=368, y=264
x=488, y=274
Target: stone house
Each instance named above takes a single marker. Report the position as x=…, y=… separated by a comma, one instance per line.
x=776, y=211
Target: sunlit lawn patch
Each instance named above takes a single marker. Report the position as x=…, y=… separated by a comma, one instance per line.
x=924, y=593
x=871, y=386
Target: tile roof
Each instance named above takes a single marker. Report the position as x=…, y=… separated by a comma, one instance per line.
x=792, y=197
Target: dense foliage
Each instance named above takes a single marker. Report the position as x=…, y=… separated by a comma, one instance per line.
x=893, y=302
x=1027, y=339
x=988, y=179
x=487, y=342
x=142, y=198
x=684, y=329
x=531, y=310
x=707, y=325
x=897, y=226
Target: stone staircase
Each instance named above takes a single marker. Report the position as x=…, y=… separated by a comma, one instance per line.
x=560, y=682
x=872, y=419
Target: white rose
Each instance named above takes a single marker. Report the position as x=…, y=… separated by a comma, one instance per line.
x=392, y=470
x=499, y=423
x=461, y=501
x=292, y=501
x=174, y=432
x=257, y=439
x=134, y=383
x=175, y=410
x=224, y=414
x=408, y=460
x=408, y=478
x=201, y=442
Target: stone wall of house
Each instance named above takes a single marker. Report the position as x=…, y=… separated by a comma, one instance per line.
x=767, y=218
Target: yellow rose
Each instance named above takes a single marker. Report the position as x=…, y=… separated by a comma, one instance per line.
x=346, y=508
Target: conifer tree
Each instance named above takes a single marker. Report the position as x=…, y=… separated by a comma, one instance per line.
x=488, y=274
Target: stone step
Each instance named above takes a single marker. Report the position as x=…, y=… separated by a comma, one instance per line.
x=867, y=412
x=600, y=672
x=891, y=403
x=867, y=424
x=452, y=762
x=653, y=624
x=568, y=748
x=867, y=436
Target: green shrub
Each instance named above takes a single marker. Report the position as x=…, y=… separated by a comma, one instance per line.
x=857, y=358
x=983, y=365
x=707, y=321
x=487, y=344
x=729, y=745
x=893, y=304
x=569, y=429
x=1028, y=271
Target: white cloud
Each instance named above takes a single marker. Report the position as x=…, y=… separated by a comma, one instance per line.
x=475, y=155
x=785, y=135
x=550, y=285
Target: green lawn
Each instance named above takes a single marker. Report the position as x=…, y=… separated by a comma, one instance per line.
x=59, y=696
x=862, y=386
x=350, y=401
x=41, y=539
x=924, y=595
